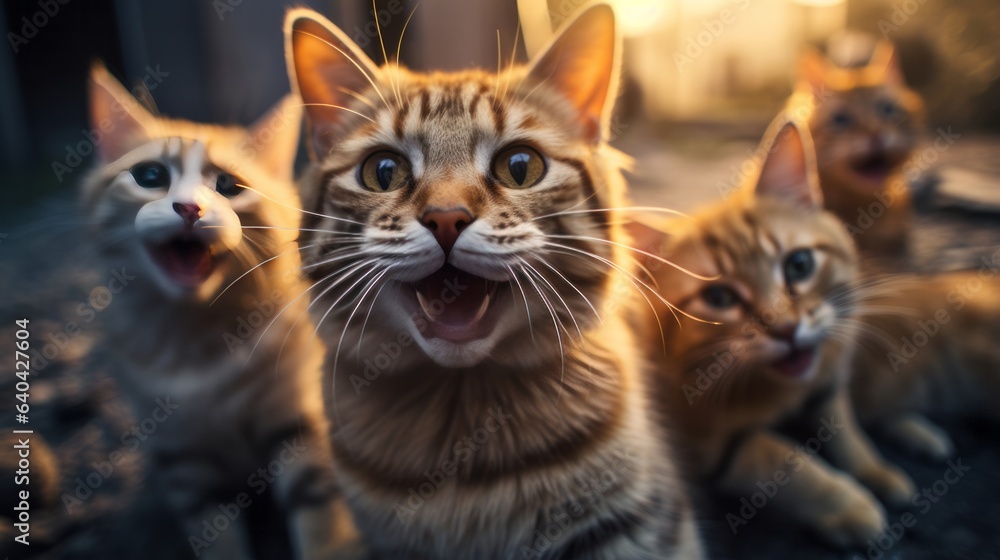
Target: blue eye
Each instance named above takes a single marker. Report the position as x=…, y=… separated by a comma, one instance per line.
x=151, y=175
x=720, y=297
x=799, y=265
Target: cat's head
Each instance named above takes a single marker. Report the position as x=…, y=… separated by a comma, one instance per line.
x=780, y=264
x=172, y=197
x=865, y=121
x=468, y=198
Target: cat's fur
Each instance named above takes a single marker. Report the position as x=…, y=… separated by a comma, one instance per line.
x=534, y=439
x=865, y=123
x=930, y=346
x=761, y=350
x=225, y=413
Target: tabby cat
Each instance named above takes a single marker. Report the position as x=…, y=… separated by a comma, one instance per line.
x=758, y=343
x=930, y=347
x=865, y=124
x=168, y=206
x=483, y=391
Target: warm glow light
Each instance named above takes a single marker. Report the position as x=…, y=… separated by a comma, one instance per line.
x=637, y=17
x=818, y=3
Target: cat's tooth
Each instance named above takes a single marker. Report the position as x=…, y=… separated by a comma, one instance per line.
x=425, y=306
x=482, y=308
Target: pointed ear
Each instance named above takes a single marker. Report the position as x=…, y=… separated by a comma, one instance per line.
x=276, y=136
x=886, y=61
x=648, y=233
x=113, y=110
x=789, y=168
x=583, y=63
x=812, y=70
x=327, y=70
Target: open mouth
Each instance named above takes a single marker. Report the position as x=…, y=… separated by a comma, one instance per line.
x=796, y=363
x=456, y=306
x=875, y=167
x=187, y=260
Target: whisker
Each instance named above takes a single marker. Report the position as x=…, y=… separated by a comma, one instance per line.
x=241, y=276
x=352, y=61
x=641, y=252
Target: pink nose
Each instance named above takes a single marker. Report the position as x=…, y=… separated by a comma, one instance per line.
x=784, y=331
x=446, y=225
x=188, y=211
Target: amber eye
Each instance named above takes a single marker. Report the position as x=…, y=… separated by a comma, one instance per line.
x=720, y=297
x=519, y=167
x=227, y=185
x=385, y=171
x=151, y=175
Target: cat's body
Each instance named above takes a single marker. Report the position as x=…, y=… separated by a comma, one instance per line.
x=776, y=272
x=168, y=207
x=931, y=348
x=477, y=418
x=865, y=124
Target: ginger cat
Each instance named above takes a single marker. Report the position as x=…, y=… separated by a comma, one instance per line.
x=865, y=124
x=485, y=398
x=753, y=342
x=187, y=211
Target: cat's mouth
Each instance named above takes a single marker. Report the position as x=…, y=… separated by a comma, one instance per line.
x=185, y=259
x=455, y=305
x=877, y=166
x=796, y=363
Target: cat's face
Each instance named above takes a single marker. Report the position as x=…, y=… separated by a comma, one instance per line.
x=866, y=121
x=172, y=198
x=443, y=192
x=782, y=268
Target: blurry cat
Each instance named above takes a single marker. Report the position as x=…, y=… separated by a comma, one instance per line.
x=769, y=351
x=931, y=346
x=168, y=209
x=865, y=124
x=493, y=407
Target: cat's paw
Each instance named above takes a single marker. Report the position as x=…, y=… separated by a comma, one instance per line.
x=921, y=437
x=856, y=517
x=890, y=484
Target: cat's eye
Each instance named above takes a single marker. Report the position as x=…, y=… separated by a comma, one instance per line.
x=799, y=265
x=841, y=120
x=519, y=167
x=720, y=297
x=228, y=185
x=385, y=171
x=151, y=175
x=886, y=109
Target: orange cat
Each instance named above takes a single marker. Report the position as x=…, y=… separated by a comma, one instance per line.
x=865, y=124
x=767, y=349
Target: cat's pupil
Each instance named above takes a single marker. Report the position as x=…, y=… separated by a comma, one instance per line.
x=720, y=297
x=227, y=185
x=799, y=265
x=384, y=172
x=151, y=175
x=518, y=167
x=886, y=108
x=841, y=120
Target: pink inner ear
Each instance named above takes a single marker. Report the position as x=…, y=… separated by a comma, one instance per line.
x=788, y=172
x=119, y=117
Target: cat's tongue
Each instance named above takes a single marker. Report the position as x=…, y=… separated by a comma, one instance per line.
x=455, y=303
x=186, y=261
x=796, y=363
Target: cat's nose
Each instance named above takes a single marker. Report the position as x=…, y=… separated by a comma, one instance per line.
x=784, y=331
x=446, y=225
x=188, y=211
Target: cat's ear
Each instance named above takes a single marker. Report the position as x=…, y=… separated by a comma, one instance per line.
x=327, y=70
x=812, y=70
x=789, y=168
x=885, y=61
x=275, y=136
x=124, y=122
x=648, y=233
x=583, y=64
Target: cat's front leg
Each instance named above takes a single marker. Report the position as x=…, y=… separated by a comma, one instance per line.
x=806, y=488
x=919, y=436
x=850, y=449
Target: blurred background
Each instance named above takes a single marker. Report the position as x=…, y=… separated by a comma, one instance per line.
x=702, y=80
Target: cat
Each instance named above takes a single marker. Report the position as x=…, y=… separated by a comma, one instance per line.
x=865, y=123
x=484, y=397
x=752, y=341
x=930, y=346
x=181, y=211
